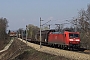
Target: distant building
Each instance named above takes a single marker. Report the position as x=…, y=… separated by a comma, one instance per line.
x=13, y=34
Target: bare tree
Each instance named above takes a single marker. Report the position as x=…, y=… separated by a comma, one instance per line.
x=32, y=30
x=83, y=26
x=3, y=28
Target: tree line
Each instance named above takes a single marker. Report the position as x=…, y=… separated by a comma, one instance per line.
x=31, y=31
x=3, y=28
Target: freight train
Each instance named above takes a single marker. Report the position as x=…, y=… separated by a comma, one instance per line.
x=65, y=40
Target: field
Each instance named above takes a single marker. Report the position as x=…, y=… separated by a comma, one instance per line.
x=20, y=51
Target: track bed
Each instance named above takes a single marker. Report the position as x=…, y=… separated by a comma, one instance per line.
x=59, y=52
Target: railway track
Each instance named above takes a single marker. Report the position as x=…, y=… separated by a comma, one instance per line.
x=76, y=55
x=81, y=50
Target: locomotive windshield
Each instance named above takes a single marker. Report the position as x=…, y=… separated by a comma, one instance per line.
x=73, y=35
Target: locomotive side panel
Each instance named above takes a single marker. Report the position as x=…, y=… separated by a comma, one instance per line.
x=56, y=38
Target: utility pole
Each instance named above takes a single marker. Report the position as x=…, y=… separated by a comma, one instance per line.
x=22, y=34
x=17, y=34
x=26, y=33
x=49, y=26
x=75, y=25
x=40, y=32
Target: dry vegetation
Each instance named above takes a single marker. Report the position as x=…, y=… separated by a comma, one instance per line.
x=20, y=51
x=35, y=55
x=3, y=43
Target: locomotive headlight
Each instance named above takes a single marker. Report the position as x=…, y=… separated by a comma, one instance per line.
x=70, y=39
x=77, y=40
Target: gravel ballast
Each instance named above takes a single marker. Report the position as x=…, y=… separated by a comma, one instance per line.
x=59, y=52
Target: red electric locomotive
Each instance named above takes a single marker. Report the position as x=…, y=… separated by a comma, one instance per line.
x=64, y=40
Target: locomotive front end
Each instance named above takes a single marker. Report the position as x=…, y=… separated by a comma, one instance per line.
x=74, y=40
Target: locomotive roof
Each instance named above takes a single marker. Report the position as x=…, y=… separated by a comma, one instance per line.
x=72, y=32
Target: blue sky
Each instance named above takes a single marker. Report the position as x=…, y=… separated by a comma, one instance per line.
x=23, y=12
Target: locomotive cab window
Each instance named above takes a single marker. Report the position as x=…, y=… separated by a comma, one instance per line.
x=73, y=35
x=76, y=35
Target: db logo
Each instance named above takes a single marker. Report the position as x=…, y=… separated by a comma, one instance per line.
x=55, y=37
